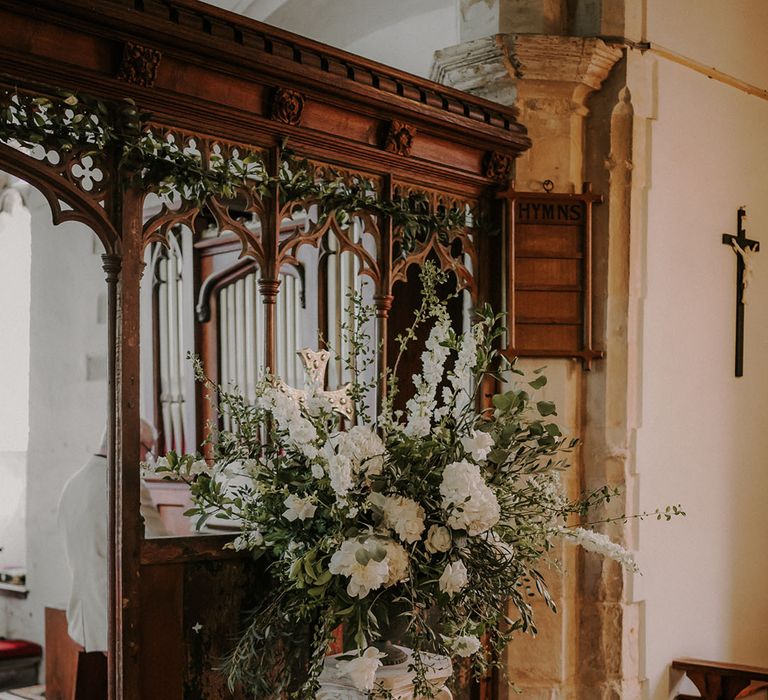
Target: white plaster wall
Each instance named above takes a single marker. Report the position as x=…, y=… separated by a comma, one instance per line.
x=67, y=400
x=702, y=439
x=411, y=43
x=400, y=33
x=15, y=290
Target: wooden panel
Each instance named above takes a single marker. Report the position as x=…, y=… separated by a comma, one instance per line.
x=215, y=595
x=538, y=336
x=548, y=273
x=549, y=290
x=548, y=307
x=162, y=657
x=548, y=241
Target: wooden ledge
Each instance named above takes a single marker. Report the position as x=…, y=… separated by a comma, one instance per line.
x=719, y=681
x=177, y=550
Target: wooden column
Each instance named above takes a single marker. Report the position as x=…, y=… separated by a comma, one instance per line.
x=384, y=298
x=124, y=453
x=269, y=284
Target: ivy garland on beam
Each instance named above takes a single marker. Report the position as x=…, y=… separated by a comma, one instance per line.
x=70, y=122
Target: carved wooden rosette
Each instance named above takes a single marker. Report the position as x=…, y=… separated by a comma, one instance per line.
x=287, y=106
x=498, y=167
x=139, y=64
x=399, y=137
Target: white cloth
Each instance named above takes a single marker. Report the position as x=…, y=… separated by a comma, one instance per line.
x=83, y=518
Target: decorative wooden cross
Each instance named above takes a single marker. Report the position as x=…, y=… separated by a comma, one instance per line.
x=744, y=249
x=315, y=365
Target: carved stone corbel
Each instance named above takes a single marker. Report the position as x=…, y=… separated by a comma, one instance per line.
x=287, y=106
x=399, y=138
x=139, y=64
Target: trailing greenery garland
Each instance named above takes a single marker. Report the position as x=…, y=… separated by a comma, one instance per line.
x=74, y=122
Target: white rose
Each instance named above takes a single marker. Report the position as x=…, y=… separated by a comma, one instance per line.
x=454, y=578
x=478, y=445
x=463, y=645
x=317, y=470
x=298, y=508
x=362, y=670
x=403, y=515
x=438, y=539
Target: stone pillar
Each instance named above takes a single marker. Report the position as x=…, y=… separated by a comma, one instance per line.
x=549, y=79
x=553, y=80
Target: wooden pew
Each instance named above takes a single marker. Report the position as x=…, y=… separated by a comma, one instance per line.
x=719, y=681
x=70, y=672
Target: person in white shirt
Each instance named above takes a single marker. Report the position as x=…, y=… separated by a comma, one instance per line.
x=83, y=518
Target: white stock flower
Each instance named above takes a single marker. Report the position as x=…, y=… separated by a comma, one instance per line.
x=199, y=466
x=478, y=445
x=401, y=514
x=162, y=462
x=470, y=503
x=355, y=560
x=464, y=645
x=362, y=670
x=287, y=414
x=462, y=377
x=601, y=544
x=453, y=578
x=340, y=473
x=438, y=539
x=397, y=562
x=298, y=508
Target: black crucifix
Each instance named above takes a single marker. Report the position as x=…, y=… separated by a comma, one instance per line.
x=744, y=249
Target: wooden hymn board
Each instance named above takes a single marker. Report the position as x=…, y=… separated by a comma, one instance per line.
x=549, y=286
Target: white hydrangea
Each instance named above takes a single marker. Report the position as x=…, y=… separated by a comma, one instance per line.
x=470, y=503
x=478, y=444
x=464, y=645
x=453, y=578
x=298, y=508
x=601, y=544
x=401, y=514
x=422, y=406
x=362, y=670
x=356, y=560
x=364, y=447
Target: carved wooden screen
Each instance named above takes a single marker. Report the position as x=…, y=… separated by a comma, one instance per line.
x=226, y=90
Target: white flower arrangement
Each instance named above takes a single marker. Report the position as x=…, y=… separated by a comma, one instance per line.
x=447, y=508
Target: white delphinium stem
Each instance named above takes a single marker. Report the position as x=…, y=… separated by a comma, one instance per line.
x=422, y=406
x=462, y=376
x=601, y=544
